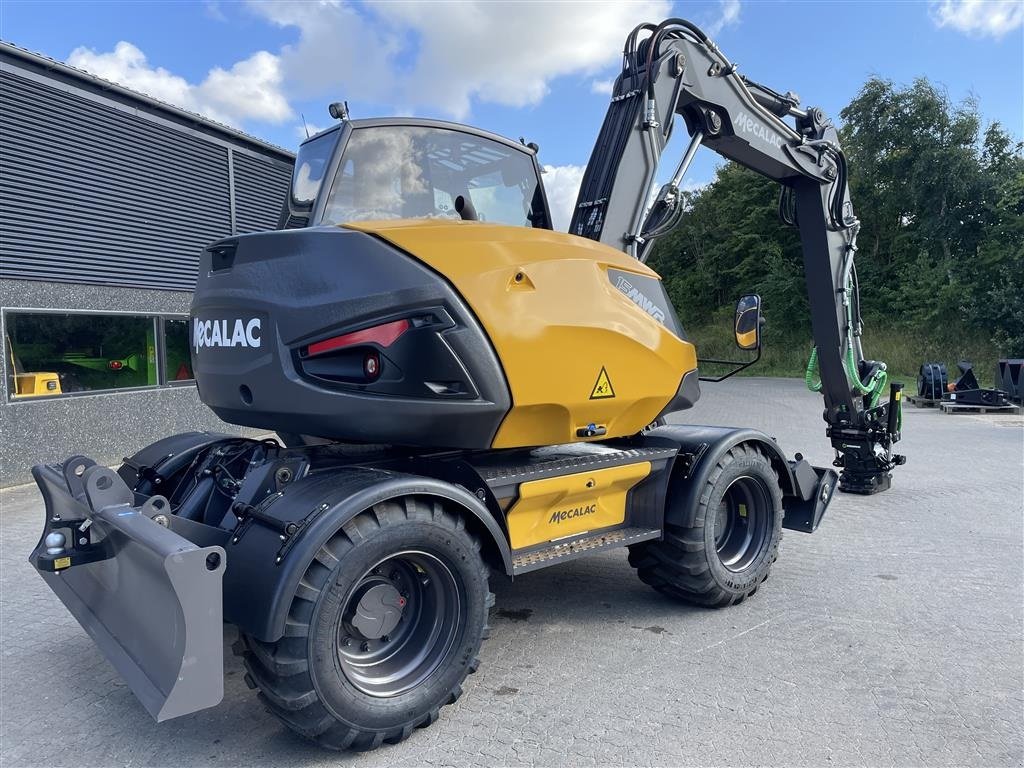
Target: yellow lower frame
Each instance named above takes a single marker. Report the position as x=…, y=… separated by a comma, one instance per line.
x=557, y=507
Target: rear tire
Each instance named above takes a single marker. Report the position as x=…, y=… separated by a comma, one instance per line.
x=728, y=552
x=383, y=630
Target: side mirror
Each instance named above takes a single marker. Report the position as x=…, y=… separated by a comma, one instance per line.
x=748, y=322
x=747, y=331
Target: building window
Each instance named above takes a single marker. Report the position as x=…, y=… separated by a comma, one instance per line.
x=177, y=360
x=54, y=353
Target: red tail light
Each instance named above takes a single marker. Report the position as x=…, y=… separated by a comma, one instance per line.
x=385, y=335
x=115, y=365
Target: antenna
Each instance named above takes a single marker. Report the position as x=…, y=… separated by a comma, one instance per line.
x=304, y=126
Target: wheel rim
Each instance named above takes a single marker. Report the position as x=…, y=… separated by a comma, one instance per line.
x=743, y=523
x=399, y=623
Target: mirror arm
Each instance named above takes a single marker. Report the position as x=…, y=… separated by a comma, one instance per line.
x=739, y=367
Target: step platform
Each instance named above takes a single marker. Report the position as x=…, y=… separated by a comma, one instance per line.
x=577, y=546
x=508, y=470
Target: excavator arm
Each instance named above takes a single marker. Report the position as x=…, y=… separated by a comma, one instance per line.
x=672, y=69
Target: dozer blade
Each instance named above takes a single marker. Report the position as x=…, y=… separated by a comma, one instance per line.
x=149, y=598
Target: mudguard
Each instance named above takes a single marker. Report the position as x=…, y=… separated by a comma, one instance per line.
x=807, y=490
x=149, y=598
x=158, y=461
x=272, y=550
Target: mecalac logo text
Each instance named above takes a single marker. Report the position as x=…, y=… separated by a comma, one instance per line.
x=567, y=514
x=747, y=124
x=225, y=333
x=640, y=300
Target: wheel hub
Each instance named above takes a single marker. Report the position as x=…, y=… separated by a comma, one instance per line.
x=399, y=623
x=742, y=524
x=378, y=611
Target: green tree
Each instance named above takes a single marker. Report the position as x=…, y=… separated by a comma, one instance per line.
x=731, y=242
x=942, y=228
x=917, y=183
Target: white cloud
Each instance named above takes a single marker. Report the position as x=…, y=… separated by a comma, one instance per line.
x=306, y=129
x=442, y=56
x=562, y=185
x=602, y=87
x=341, y=53
x=993, y=18
x=251, y=89
x=694, y=185
x=728, y=14
x=214, y=11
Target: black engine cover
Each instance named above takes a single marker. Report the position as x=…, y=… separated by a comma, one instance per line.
x=262, y=300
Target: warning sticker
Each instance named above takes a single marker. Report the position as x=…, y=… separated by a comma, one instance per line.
x=602, y=387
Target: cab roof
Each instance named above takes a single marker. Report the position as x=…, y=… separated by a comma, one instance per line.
x=422, y=122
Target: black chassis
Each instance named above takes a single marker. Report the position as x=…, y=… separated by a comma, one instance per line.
x=291, y=501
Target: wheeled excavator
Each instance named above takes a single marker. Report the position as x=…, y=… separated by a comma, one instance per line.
x=456, y=389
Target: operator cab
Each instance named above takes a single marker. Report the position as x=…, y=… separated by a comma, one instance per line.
x=406, y=168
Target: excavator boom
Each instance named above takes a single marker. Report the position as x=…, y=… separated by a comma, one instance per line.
x=673, y=69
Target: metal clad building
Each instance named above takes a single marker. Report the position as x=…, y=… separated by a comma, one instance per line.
x=106, y=199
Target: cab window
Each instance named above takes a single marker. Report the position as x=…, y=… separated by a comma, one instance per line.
x=408, y=172
x=310, y=166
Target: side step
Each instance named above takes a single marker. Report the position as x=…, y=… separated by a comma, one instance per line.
x=504, y=472
x=562, y=551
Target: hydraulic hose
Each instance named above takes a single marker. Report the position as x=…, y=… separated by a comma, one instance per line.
x=654, y=41
x=812, y=368
x=875, y=385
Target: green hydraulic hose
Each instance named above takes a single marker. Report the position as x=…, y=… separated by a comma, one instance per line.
x=812, y=366
x=873, y=387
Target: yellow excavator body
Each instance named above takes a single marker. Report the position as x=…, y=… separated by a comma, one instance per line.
x=576, y=350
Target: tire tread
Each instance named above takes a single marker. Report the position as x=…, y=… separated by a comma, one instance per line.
x=280, y=670
x=677, y=565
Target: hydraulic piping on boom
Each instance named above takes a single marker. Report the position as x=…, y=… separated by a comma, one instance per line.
x=673, y=68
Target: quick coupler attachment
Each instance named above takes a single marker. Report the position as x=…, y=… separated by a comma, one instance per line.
x=864, y=453
x=150, y=599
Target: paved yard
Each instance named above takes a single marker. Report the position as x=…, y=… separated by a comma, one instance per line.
x=891, y=636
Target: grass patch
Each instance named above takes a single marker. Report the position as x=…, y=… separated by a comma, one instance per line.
x=902, y=351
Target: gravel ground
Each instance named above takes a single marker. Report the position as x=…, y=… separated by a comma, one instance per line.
x=892, y=636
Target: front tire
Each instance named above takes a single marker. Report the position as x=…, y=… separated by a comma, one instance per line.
x=383, y=630
x=728, y=552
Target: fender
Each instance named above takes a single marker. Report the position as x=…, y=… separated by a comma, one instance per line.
x=806, y=490
x=268, y=555
x=166, y=456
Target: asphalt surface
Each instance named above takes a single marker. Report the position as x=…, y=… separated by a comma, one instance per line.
x=892, y=636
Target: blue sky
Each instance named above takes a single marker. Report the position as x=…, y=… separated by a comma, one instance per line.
x=532, y=69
